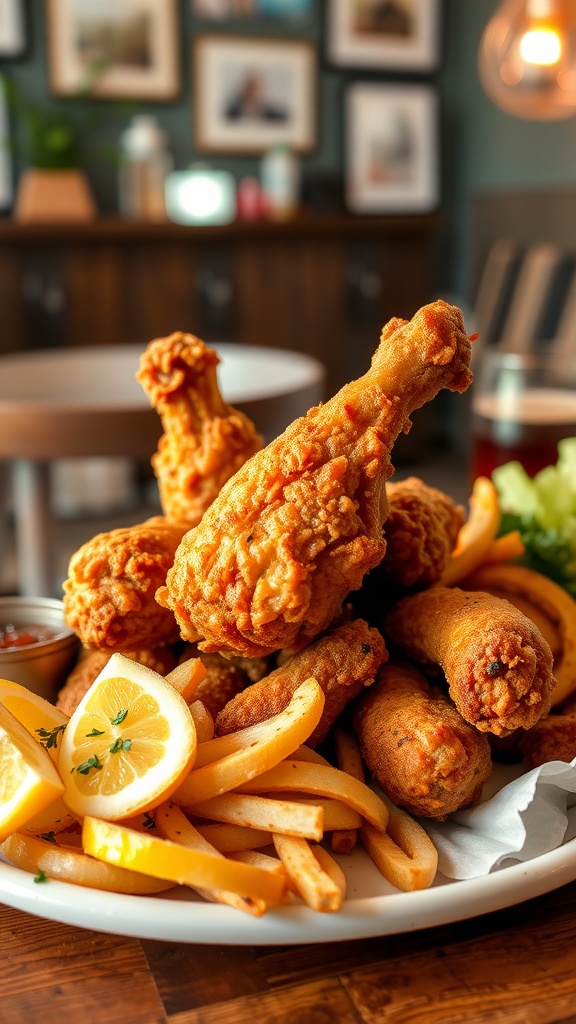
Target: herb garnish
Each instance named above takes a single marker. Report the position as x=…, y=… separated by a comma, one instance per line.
x=95, y=732
x=119, y=718
x=50, y=837
x=119, y=745
x=86, y=766
x=40, y=877
x=49, y=737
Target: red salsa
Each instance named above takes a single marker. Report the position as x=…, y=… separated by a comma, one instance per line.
x=12, y=637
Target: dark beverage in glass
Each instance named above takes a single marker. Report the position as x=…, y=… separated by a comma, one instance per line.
x=542, y=417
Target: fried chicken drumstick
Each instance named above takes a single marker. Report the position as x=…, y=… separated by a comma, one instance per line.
x=497, y=664
x=417, y=746
x=300, y=523
x=109, y=596
x=342, y=662
x=420, y=532
x=205, y=440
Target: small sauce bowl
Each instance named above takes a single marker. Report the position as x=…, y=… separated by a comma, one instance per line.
x=43, y=664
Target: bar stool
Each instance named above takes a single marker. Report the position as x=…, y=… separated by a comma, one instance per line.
x=84, y=402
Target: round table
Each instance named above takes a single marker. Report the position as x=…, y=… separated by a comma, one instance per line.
x=84, y=402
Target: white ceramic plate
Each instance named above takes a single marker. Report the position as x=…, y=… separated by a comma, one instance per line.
x=373, y=907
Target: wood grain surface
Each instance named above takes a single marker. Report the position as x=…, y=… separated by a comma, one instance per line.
x=515, y=966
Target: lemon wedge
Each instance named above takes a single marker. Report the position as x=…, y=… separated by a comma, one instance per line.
x=42, y=720
x=29, y=781
x=162, y=858
x=128, y=745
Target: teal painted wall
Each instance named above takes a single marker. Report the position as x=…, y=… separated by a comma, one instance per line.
x=483, y=149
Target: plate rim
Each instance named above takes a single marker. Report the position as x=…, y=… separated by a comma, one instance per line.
x=188, y=921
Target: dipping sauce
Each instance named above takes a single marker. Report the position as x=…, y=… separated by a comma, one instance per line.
x=12, y=636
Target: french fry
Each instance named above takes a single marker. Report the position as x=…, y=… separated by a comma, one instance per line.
x=173, y=824
x=322, y=780
x=228, y=838
x=477, y=534
x=186, y=677
x=267, y=863
x=349, y=760
x=314, y=884
x=284, y=816
x=405, y=855
x=505, y=548
x=202, y=720
x=553, y=600
x=331, y=868
x=337, y=815
x=270, y=742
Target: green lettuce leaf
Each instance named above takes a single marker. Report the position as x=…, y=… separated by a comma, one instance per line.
x=543, y=509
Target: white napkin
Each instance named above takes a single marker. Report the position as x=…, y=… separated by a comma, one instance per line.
x=528, y=817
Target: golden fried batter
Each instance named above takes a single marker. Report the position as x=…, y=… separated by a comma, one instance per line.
x=497, y=664
x=300, y=524
x=553, y=739
x=420, y=533
x=109, y=596
x=342, y=662
x=417, y=746
x=205, y=440
x=223, y=680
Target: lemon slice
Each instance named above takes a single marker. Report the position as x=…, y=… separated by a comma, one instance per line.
x=29, y=781
x=128, y=745
x=46, y=859
x=43, y=721
x=162, y=858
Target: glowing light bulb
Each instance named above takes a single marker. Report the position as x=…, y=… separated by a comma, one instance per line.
x=527, y=58
x=541, y=46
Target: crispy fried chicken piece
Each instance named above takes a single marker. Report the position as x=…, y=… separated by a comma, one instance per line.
x=223, y=680
x=91, y=663
x=342, y=662
x=205, y=440
x=299, y=525
x=420, y=532
x=109, y=596
x=497, y=664
x=417, y=746
x=553, y=739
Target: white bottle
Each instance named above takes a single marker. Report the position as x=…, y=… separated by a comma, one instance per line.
x=280, y=178
x=145, y=163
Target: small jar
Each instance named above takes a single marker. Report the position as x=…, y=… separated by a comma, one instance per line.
x=280, y=178
x=144, y=165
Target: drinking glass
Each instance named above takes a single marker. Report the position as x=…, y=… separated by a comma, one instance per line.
x=522, y=405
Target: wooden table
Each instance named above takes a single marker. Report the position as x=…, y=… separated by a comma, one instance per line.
x=514, y=966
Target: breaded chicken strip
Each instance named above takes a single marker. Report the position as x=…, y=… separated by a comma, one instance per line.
x=300, y=524
x=417, y=746
x=420, y=533
x=497, y=664
x=205, y=440
x=342, y=662
x=109, y=596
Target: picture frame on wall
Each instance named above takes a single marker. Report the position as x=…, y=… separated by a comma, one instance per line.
x=391, y=160
x=6, y=180
x=12, y=29
x=218, y=10
x=125, y=49
x=252, y=92
x=395, y=35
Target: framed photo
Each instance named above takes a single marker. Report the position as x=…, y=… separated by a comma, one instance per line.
x=12, y=28
x=252, y=92
x=387, y=34
x=391, y=149
x=114, y=49
x=6, y=182
x=229, y=9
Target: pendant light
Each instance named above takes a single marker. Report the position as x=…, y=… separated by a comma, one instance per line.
x=527, y=58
